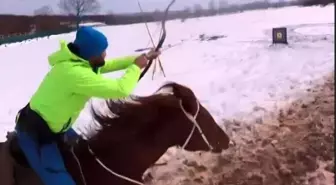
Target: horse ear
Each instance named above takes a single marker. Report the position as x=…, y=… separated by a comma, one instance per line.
x=188, y=98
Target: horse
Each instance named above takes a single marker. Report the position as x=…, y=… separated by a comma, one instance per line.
x=131, y=136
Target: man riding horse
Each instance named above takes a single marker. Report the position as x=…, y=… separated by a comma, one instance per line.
x=74, y=78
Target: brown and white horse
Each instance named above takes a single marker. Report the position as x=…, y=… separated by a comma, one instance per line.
x=132, y=136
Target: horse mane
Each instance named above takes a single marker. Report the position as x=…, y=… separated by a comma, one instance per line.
x=128, y=117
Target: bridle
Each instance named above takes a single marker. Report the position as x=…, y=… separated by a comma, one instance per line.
x=192, y=118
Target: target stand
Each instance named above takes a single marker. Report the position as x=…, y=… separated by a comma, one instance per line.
x=279, y=35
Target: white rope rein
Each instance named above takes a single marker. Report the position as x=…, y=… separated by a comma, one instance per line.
x=112, y=172
x=194, y=121
x=191, y=117
x=79, y=165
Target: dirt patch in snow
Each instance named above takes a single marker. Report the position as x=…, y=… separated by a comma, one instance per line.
x=296, y=147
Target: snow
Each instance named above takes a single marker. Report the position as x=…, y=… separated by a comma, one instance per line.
x=316, y=30
x=230, y=76
x=92, y=24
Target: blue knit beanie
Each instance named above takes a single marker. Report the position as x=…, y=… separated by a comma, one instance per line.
x=91, y=42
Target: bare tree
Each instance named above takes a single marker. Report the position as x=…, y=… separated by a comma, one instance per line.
x=185, y=14
x=110, y=12
x=44, y=10
x=211, y=5
x=187, y=10
x=198, y=9
x=223, y=4
x=315, y=2
x=79, y=7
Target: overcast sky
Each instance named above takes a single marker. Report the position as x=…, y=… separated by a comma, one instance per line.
x=27, y=7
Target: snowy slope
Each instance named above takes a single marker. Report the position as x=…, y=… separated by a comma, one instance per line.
x=231, y=75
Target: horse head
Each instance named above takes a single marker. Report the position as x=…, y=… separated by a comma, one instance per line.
x=196, y=122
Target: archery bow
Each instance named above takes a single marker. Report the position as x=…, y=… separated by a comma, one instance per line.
x=162, y=39
x=151, y=40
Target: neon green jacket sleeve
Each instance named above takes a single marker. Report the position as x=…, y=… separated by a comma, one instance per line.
x=84, y=81
x=117, y=64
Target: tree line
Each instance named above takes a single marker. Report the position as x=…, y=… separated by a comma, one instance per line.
x=76, y=11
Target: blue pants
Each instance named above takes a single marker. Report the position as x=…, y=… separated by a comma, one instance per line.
x=46, y=160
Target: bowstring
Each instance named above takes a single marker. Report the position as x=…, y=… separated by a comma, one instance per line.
x=152, y=41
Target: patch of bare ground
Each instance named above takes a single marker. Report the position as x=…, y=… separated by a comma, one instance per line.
x=294, y=148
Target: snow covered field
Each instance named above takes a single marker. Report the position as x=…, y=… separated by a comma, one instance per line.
x=231, y=75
